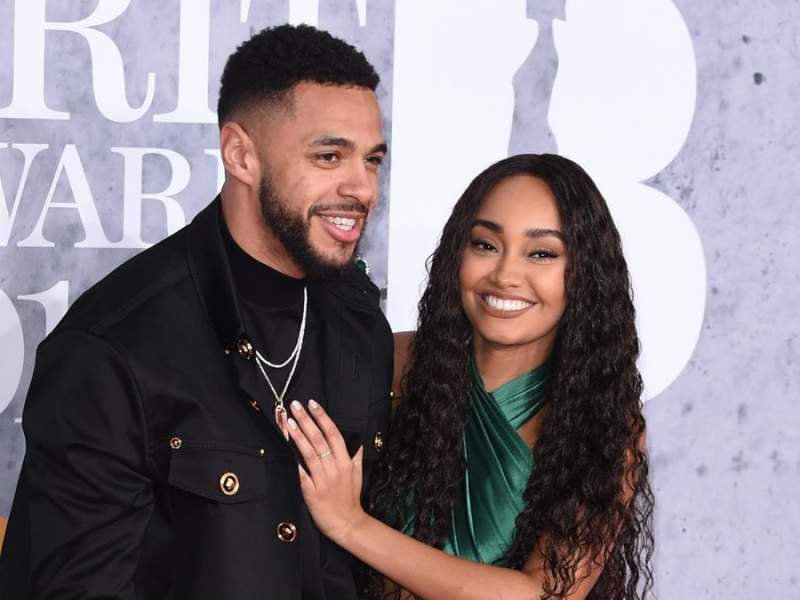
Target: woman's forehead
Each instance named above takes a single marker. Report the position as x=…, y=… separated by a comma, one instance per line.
x=520, y=203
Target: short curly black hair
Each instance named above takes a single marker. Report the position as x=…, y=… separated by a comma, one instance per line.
x=266, y=67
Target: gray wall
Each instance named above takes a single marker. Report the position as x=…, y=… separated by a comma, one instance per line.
x=723, y=437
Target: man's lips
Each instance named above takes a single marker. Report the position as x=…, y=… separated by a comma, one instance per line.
x=343, y=227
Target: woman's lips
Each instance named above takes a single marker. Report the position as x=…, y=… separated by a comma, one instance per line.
x=504, y=307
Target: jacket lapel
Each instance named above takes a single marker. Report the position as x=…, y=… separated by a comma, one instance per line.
x=211, y=272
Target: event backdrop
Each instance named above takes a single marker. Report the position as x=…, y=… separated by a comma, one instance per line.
x=685, y=113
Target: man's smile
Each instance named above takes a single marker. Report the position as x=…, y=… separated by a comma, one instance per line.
x=344, y=229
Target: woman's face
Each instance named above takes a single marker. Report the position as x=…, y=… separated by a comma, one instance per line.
x=512, y=270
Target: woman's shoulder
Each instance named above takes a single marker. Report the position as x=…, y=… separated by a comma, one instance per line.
x=402, y=349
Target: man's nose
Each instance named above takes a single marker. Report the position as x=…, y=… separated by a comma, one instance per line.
x=360, y=184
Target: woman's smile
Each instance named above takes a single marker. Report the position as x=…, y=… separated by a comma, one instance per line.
x=506, y=307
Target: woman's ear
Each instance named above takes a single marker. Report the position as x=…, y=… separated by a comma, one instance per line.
x=239, y=154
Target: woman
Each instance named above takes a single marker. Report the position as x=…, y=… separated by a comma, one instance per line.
x=539, y=488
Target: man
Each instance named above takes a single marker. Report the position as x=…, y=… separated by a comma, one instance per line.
x=157, y=466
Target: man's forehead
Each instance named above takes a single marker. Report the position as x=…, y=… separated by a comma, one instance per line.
x=314, y=112
x=316, y=101
x=334, y=113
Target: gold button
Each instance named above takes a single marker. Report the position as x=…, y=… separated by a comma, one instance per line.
x=229, y=483
x=175, y=443
x=287, y=532
x=377, y=442
x=245, y=348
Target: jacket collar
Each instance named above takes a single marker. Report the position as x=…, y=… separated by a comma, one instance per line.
x=211, y=272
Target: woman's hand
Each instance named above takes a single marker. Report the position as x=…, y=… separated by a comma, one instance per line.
x=332, y=485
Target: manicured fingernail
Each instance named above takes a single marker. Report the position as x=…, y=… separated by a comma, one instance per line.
x=296, y=405
x=313, y=405
x=292, y=423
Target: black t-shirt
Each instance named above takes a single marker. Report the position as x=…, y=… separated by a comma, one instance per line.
x=272, y=307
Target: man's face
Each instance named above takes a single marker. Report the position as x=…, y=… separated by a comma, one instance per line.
x=320, y=175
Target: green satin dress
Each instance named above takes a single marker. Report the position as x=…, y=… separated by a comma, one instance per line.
x=498, y=463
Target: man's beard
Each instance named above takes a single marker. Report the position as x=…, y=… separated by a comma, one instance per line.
x=293, y=231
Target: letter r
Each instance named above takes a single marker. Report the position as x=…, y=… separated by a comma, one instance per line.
x=108, y=75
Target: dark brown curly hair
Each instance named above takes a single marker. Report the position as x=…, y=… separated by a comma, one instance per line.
x=588, y=496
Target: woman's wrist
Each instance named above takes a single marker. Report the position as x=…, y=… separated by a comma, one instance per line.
x=347, y=535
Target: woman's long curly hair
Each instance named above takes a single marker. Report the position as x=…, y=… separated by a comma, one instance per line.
x=588, y=496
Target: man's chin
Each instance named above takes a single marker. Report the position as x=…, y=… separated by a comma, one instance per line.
x=328, y=265
x=336, y=254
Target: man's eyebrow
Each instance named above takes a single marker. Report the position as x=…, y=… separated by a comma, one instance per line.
x=379, y=148
x=341, y=142
x=531, y=233
x=329, y=140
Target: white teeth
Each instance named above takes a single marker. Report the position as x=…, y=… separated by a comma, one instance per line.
x=342, y=223
x=509, y=305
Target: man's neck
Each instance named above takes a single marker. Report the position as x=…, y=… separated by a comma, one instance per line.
x=245, y=223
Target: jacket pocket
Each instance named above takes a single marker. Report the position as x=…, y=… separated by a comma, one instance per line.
x=220, y=472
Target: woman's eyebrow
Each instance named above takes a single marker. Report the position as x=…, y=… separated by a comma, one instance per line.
x=535, y=233
x=491, y=225
x=538, y=233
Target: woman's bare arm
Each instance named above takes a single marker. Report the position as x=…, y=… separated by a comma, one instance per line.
x=331, y=488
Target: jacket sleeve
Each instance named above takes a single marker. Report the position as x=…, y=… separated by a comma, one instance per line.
x=87, y=492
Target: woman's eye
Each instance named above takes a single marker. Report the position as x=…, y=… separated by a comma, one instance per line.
x=543, y=253
x=482, y=245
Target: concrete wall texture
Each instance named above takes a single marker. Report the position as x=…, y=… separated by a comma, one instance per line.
x=684, y=112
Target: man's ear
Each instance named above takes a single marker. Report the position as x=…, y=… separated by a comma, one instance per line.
x=239, y=154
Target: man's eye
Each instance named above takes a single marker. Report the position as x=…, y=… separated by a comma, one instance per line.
x=375, y=160
x=328, y=157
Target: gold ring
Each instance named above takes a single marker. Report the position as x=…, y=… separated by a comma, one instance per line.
x=326, y=453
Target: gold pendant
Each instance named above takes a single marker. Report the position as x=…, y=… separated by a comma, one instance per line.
x=282, y=421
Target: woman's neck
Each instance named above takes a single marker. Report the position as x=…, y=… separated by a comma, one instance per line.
x=499, y=364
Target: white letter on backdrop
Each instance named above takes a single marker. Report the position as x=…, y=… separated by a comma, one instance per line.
x=70, y=164
x=108, y=71
x=132, y=211
x=192, y=66
x=7, y=217
x=55, y=302
x=12, y=351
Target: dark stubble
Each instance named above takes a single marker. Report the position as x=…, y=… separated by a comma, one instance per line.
x=293, y=230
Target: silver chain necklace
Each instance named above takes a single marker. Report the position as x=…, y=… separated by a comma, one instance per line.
x=280, y=411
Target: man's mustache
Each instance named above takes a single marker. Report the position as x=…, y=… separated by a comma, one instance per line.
x=348, y=207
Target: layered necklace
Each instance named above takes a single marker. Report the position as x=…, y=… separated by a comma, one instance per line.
x=281, y=416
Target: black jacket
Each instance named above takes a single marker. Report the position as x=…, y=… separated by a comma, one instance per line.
x=154, y=468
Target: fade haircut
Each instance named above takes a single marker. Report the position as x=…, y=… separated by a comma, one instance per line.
x=265, y=68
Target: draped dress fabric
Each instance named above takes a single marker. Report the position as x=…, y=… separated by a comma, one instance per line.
x=499, y=463
x=498, y=466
